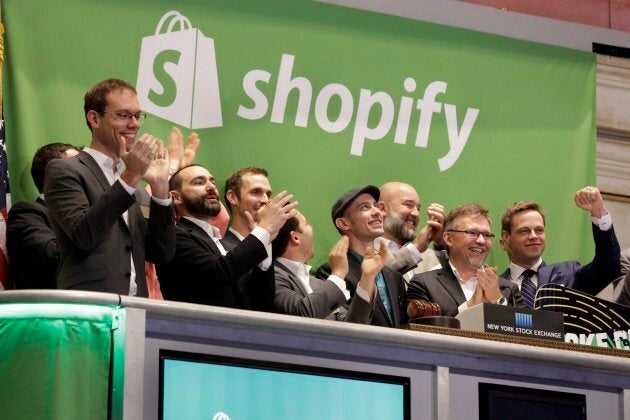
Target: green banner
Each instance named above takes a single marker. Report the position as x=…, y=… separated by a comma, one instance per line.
x=55, y=361
x=324, y=97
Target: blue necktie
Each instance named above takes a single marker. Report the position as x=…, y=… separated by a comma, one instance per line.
x=381, y=285
x=528, y=290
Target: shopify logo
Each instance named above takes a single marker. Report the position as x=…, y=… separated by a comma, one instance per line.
x=368, y=101
x=177, y=74
x=178, y=81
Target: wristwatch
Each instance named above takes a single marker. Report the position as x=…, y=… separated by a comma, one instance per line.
x=501, y=301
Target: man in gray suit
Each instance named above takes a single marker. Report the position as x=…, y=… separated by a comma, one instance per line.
x=94, y=203
x=465, y=281
x=299, y=293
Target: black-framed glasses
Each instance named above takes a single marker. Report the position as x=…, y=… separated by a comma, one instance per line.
x=126, y=115
x=474, y=234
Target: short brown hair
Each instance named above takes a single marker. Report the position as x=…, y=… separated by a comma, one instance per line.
x=95, y=98
x=465, y=210
x=516, y=208
x=280, y=244
x=235, y=182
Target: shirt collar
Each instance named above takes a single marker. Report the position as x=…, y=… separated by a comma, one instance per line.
x=391, y=245
x=458, y=276
x=455, y=272
x=238, y=235
x=297, y=268
x=105, y=162
x=212, y=231
x=516, y=270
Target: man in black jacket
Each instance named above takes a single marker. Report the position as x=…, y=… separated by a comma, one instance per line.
x=32, y=246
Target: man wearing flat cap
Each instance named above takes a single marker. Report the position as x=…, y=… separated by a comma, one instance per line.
x=356, y=214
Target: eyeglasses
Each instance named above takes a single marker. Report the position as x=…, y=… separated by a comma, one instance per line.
x=474, y=234
x=126, y=115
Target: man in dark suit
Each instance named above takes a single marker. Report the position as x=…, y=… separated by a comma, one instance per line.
x=465, y=281
x=356, y=214
x=94, y=206
x=299, y=293
x=32, y=245
x=523, y=237
x=202, y=270
x=621, y=291
x=246, y=191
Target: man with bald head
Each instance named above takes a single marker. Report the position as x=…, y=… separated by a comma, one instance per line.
x=408, y=250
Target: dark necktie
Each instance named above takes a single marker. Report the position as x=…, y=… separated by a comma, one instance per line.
x=528, y=289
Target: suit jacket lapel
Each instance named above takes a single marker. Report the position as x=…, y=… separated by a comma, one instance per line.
x=296, y=281
x=447, y=279
x=392, y=288
x=544, y=274
x=200, y=234
x=96, y=170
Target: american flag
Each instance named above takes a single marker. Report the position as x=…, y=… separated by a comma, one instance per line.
x=4, y=191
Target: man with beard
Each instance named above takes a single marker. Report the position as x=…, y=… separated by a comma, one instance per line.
x=202, y=271
x=246, y=191
x=400, y=204
x=464, y=281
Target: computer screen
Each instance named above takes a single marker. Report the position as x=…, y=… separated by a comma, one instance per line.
x=195, y=386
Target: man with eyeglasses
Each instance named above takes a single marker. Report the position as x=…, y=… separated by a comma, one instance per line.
x=465, y=281
x=95, y=207
x=523, y=238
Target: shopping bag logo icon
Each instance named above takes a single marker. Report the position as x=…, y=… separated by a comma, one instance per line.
x=177, y=74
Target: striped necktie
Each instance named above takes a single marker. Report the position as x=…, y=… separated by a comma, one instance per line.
x=528, y=289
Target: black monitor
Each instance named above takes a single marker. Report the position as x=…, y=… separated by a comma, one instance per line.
x=517, y=403
x=199, y=386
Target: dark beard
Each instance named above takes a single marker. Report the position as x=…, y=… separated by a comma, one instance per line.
x=395, y=226
x=199, y=206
